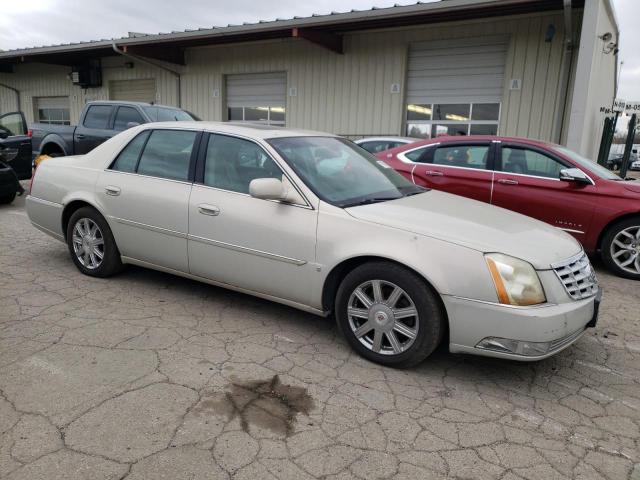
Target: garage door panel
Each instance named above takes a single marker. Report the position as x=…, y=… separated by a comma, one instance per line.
x=135, y=90
x=257, y=89
x=462, y=69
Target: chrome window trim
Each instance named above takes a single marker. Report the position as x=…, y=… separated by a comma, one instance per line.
x=251, y=251
x=183, y=182
x=402, y=155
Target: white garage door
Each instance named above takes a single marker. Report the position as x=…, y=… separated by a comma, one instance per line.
x=139, y=90
x=53, y=110
x=257, y=97
x=456, y=86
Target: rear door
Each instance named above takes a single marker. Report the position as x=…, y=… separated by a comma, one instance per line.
x=96, y=127
x=16, y=147
x=527, y=181
x=460, y=168
x=145, y=194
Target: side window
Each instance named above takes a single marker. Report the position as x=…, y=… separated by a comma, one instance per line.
x=529, y=162
x=12, y=124
x=232, y=163
x=128, y=158
x=467, y=156
x=167, y=154
x=420, y=155
x=126, y=115
x=98, y=116
x=369, y=146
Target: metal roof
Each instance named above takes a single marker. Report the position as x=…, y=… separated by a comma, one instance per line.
x=334, y=22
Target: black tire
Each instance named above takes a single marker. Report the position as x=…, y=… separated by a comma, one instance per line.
x=430, y=319
x=111, y=262
x=7, y=198
x=607, y=242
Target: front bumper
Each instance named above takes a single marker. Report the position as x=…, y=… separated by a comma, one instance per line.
x=472, y=321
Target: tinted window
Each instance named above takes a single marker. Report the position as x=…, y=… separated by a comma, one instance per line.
x=232, y=163
x=128, y=158
x=467, y=156
x=419, y=155
x=167, y=154
x=530, y=162
x=126, y=115
x=97, y=116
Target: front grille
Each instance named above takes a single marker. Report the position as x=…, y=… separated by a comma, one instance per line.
x=577, y=276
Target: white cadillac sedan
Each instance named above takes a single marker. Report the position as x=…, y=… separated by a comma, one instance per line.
x=311, y=221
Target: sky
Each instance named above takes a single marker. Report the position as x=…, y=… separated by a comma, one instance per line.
x=46, y=22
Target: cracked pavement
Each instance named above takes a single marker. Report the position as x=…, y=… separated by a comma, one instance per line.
x=150, y=376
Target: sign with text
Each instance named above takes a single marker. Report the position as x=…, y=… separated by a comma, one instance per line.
x=632, y=107
x=619, y=104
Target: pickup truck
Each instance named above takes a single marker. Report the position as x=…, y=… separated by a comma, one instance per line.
x=99, y=121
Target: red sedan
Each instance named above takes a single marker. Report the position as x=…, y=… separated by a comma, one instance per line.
x=538, y=179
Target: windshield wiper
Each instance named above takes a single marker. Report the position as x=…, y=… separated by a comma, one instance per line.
x=369, y=201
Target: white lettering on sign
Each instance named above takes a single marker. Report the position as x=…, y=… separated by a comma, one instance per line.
x=619, y=104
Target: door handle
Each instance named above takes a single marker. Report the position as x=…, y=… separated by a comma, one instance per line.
x=433, y=173
x=210, y=210
x=80, y=136
x=111, y=190
x=507, y=181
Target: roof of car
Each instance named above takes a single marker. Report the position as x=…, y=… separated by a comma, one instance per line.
x=479, y=138
x=244, y=129
x=389, y=138
x=127, y=102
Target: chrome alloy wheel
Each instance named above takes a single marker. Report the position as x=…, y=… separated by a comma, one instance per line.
x=625, y=249
x=383, y=317
x=88, y=243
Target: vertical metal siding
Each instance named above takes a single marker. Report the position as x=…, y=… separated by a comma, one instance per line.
x=348, y=94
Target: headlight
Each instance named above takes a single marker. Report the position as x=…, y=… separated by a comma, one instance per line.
x=516, y=281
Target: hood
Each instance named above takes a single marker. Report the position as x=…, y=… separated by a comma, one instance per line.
x=473, y=224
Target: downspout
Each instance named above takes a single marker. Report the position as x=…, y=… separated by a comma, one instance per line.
x=15, y=90
x=565, y=76
x=153, y=64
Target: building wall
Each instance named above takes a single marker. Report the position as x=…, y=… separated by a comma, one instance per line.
x=348, y=94
x=595, y=82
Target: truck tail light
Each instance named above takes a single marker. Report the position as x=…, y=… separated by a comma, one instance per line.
x=30, y=133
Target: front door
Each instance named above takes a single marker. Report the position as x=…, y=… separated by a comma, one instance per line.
x=527, y=181
x=259, y=245
x=460, y=168
x=145, y=195
x=15, y=144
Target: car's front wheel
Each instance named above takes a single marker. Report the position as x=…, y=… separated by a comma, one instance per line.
x=389, y=315
x=621, y=248
x=91, y=244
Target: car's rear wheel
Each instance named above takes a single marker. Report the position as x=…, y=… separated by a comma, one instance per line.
x=621, y=248
x=388, y=314
x=7, y=198
x=91, y=244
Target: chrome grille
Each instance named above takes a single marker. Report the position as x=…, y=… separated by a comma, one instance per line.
x=577, y=276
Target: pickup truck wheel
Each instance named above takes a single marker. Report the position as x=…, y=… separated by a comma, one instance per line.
x=91, y=244
x=8, y=198
x=389, y=315
x=621, y=248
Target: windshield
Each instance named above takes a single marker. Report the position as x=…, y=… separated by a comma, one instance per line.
x=341, y=173
x=162, y=114
x=593, y=167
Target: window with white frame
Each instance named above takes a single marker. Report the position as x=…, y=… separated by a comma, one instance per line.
x=439, y=119
x=52, y=110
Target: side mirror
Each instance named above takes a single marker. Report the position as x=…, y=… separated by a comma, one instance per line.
x=574, y=175
x=274, y=189
x=3, y=135
x=132, y=124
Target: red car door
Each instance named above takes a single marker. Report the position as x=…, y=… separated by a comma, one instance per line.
x=460, y=168
x=527, y=181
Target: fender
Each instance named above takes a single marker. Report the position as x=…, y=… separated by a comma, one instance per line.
x=54, y=138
